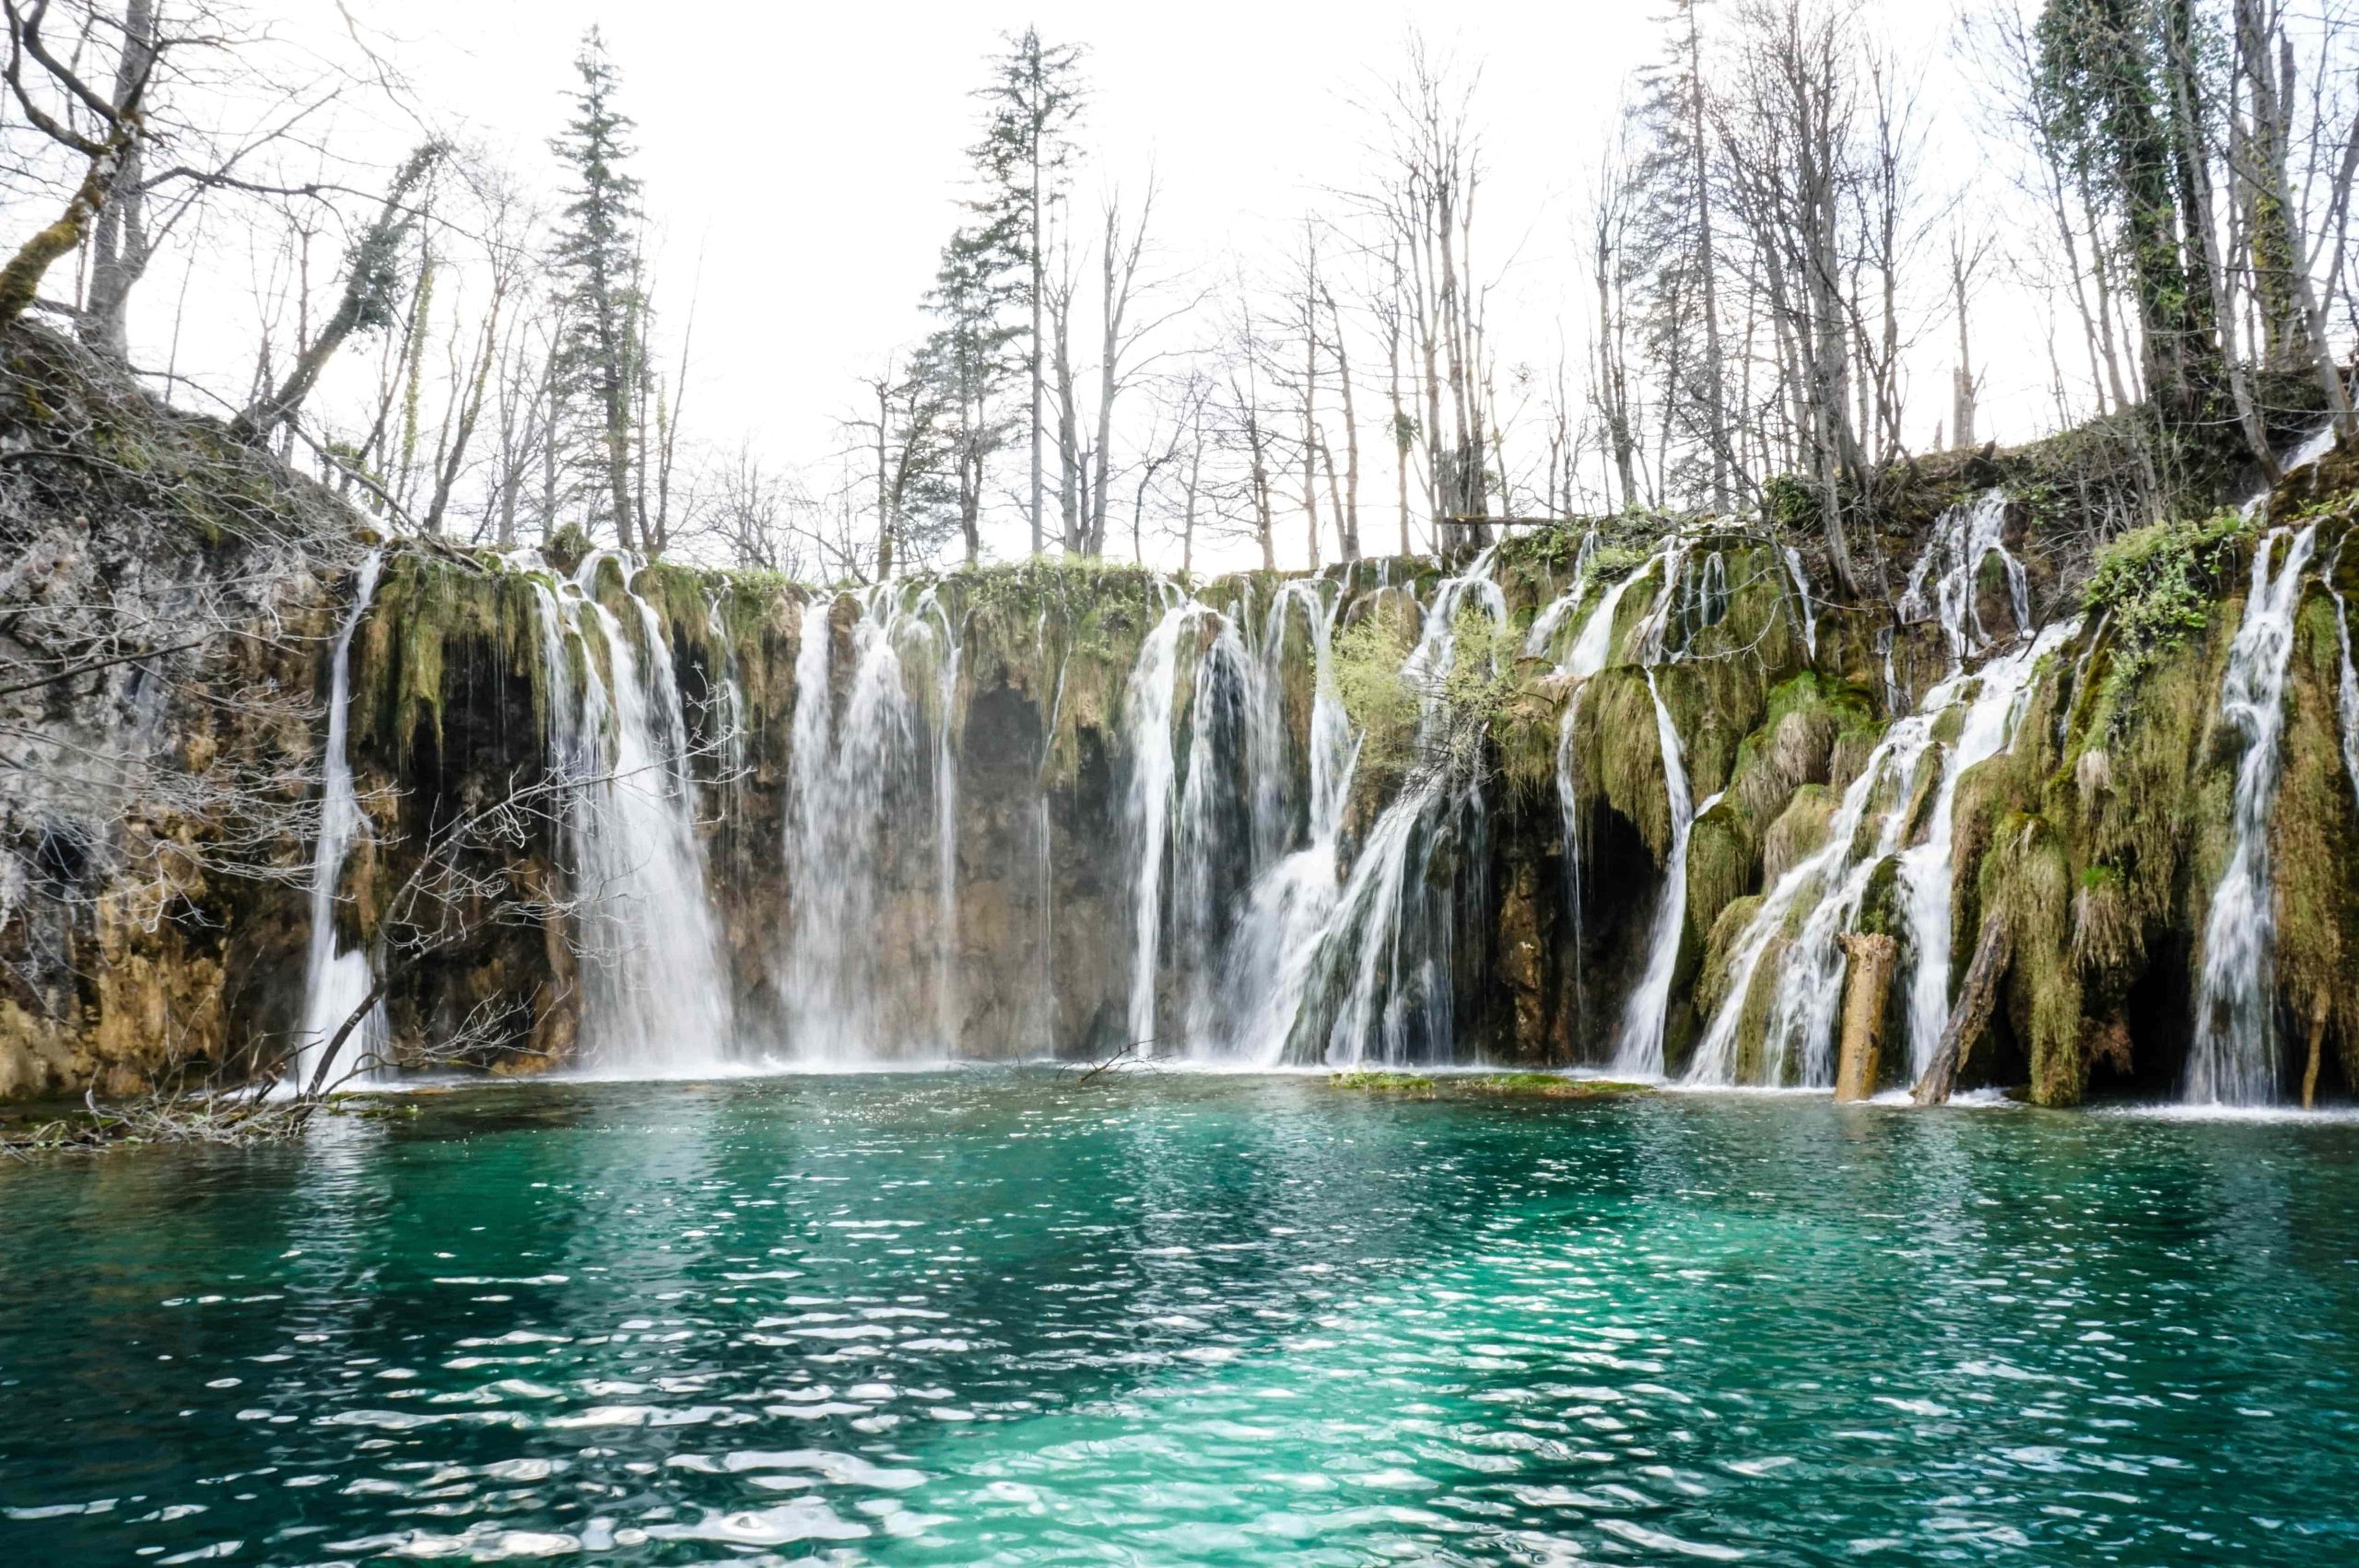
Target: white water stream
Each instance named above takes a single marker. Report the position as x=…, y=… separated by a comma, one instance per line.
x=2232, y=1060
x=655, y=991
x=334, y=983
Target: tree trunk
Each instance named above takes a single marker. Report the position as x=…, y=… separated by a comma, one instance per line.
x=1992, y=950
x=20, y=279
x=119, y=250
x=1867, y=985
x=1038, y=390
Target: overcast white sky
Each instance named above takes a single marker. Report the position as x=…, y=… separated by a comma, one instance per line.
x=802, y=161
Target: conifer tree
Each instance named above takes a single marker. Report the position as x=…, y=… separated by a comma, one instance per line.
x=968, y=362
x=596, y=260
x=1033, y=98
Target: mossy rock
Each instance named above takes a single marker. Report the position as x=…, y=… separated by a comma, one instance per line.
x=1547, y=1087
x=1723, y=863
x=1799, y=831
x=1728, y=929
x=1618, y=761
x=2025, y=881
x=1378, y=1082
x=2314, y=843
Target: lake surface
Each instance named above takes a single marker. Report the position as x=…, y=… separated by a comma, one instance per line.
x=1004, y=1316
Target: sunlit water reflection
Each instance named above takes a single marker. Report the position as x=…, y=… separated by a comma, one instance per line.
x=1003, y=1317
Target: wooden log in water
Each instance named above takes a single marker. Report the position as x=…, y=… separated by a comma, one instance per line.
x=1867, y=986
x=1976, y=1003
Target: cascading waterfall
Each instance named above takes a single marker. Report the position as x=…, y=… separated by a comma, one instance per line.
x=2232, y=1060
x=1271, y=955
x=1149, y=706
x=1943, y=587
x=1819, y=899
x=871, y=788
x=1544, y=626
x=335, y=984
x=1594, y=646
x=1640, y=1048
x=1992, y=714
x=1802, y=600
x=2346, y=690
x=1695, y=600
x=1823, y=891
x=1381, y=986
x=1229, y=800
x=1208, y=813
x=945, y=821
x=655, y=991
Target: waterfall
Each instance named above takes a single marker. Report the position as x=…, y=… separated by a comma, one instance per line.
x=870, y=843
x=1594, y=646
x=1818, y=899
x=1568, y=816
x=1802, y=599
x=1207, y=813
x=1823, y=891
x=655, y=991
x=1639, y=1049
x=1943, y=587
x=335, y=984
x=1227, y=806
x=1148, y=711
x=949, y=1015
x=2234, y=1058
x=2346, y=691
x=1272, y=950
x=1926, y=876
x=1388, y=946
x=1544, y=627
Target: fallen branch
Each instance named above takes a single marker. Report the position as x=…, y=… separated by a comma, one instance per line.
x=1992, y=950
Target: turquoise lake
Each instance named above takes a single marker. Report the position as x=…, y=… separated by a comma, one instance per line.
x=1008, y=1317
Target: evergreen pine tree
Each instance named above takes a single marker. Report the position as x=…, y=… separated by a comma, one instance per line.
x=1034, y=96
x=596, y=260
x=969, y=359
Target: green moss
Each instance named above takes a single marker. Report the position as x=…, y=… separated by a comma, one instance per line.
x=1723, y=863
x=2315, y=842
x=1799, y=831
x=1384, y=1082
x=2157, y=586
x=1803, y=721
x=1547, y=1087
x=1883, y=903
x=2027, y=882
x=1615, y=762
x=1728, y=929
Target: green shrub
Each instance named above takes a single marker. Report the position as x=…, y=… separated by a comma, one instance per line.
x=2156, y=585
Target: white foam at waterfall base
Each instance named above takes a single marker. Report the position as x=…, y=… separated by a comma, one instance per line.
x=335, y=984
x=2232, y=1058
